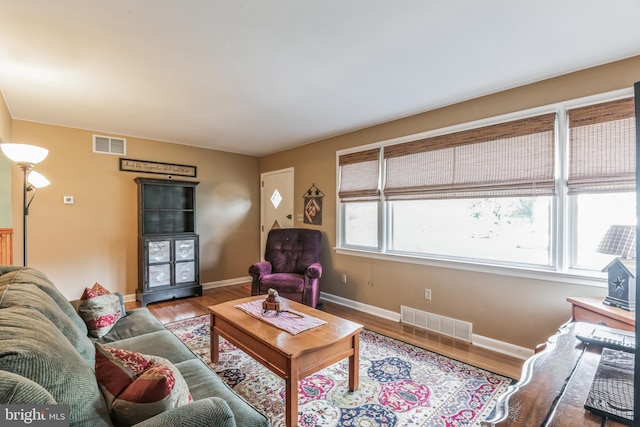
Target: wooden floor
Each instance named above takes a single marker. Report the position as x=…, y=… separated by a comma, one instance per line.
x=185, y=308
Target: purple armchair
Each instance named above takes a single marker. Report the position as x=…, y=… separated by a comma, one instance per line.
x=291, y=265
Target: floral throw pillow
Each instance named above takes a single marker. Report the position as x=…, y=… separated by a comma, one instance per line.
x=99, y=309
x=138, y=386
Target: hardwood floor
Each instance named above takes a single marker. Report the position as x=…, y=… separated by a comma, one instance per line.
x=171, y=311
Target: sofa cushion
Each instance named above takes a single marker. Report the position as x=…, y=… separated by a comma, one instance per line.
x=13, y=274
x=206, y=412
x=204, y=382
x=138, y=386
x=138, y=322
x=33, y=347
x=16, y=389
x=100, y=309
x=29, y=295
x=161, y=343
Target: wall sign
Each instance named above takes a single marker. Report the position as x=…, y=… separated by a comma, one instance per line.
x=133, y=165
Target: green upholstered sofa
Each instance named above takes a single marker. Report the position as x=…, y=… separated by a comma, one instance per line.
x=47, y=357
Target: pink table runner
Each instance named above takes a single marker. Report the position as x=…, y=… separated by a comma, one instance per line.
x=290, y=321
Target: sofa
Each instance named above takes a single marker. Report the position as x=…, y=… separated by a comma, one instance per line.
x=47, y=357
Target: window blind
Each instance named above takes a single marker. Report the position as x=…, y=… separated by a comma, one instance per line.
x=514, y=158
x=602, y=147
x=359, y=176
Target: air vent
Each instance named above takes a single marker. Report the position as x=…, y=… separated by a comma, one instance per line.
x=109, y=145
x=436, y=323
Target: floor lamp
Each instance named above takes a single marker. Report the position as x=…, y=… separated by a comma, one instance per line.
x=25, y=156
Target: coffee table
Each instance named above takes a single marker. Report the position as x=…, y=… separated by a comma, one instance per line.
x=291, y=357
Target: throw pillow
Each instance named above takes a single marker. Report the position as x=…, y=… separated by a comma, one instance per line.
x=116, y=369
x=138, y=386
x=100, y=310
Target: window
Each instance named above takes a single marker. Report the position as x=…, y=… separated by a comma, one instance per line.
x=360, y=196
x=501, y=230
x=601, y=176
x=537, y=192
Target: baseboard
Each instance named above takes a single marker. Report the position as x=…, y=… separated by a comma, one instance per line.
x=502, y=347
x=376, y=311
x=208, y=285
x=477, y=340
x=228, y=282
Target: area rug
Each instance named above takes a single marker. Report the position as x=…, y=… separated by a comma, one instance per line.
x=400, y=384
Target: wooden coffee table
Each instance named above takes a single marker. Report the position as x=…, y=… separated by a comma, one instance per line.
x=291, y=357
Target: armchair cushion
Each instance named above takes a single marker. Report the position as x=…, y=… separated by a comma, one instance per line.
x=284, y=283
x=292, y=250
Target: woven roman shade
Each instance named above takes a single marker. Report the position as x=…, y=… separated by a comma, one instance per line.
x=514, y=158
x=602, y=148
x=359, y=176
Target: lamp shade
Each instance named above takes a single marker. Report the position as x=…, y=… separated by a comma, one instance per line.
x=24, y=153
x=37, y=179
x=619, y=240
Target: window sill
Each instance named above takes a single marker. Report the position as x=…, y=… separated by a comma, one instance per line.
x=584, y=278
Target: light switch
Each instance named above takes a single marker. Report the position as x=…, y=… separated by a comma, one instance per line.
x=67, y=200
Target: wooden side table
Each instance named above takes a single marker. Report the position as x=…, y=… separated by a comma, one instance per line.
x=593, y=310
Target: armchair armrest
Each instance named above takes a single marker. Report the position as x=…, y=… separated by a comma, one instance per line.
x=206, y=412
x=314, y=271
x=259, y=269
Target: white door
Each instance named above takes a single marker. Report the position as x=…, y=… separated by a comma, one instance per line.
x=276, y=198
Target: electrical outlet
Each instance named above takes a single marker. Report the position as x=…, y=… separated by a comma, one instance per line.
x=427, y=294
x=344, y=278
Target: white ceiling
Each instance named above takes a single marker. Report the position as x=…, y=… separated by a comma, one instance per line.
x=260, y=76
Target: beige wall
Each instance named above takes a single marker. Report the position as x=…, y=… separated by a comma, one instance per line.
x=95, y=239
x=519, y=311
x=5, y=166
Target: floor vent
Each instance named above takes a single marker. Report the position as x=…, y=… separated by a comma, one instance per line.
x=436, y=323
x=109, y=145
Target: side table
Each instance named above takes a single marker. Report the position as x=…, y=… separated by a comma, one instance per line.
x=593, y=310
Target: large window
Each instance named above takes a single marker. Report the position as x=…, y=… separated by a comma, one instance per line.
x=536, y=192
x=512, y=230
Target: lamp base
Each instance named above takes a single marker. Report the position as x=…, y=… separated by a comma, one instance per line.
x=621, y=275
x=615, y=302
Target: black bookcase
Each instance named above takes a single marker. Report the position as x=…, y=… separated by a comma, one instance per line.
x=168, y=246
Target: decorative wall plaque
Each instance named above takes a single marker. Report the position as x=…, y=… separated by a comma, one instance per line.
x=313, y=205
x=133, y=165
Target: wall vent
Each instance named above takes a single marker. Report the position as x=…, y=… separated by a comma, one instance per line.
x=109, y=145
x=434, y=322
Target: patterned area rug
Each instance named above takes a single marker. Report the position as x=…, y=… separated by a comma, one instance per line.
x=400, y=384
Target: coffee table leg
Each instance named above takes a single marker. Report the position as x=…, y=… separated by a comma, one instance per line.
x=291, y=399
x=214, y=344
x=354, y=364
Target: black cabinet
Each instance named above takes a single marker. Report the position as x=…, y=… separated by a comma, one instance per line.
x=168, y=247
